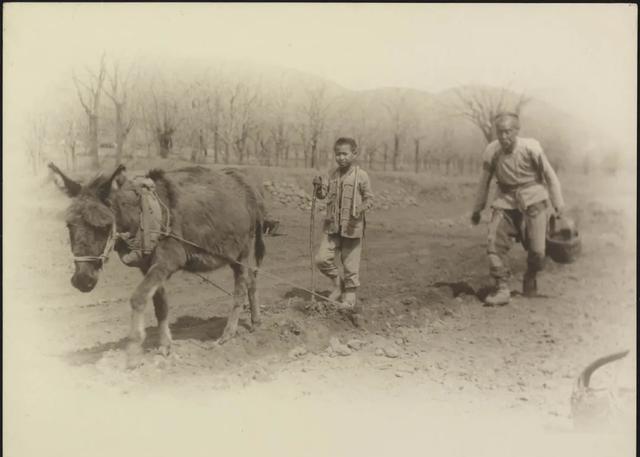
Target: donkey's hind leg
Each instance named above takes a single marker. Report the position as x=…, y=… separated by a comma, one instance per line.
x=239, y=294
x=162, y=312
x=254, y=303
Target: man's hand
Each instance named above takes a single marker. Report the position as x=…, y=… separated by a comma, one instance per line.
x=475, y=218
x=317, y=181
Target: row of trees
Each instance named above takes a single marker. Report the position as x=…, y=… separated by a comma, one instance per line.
x=228, y=116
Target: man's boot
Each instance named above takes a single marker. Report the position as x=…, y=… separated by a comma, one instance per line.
x=501, y=296
x=529, y=285
x=338, y=289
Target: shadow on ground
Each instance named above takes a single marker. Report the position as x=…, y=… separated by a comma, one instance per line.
x=459, y=288
x=184, y=328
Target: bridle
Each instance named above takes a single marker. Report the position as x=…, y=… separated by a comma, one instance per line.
x=115, y=235
x=102, y=258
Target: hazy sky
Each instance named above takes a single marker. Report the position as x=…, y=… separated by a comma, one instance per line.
x=582, y=58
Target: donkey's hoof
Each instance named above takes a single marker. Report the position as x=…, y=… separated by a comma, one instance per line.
x=226, y=336
x=134, y=356
x=256, y=324
x=164, y=350
x=133, y=361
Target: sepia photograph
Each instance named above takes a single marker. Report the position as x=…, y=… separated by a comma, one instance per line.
x=308, y=229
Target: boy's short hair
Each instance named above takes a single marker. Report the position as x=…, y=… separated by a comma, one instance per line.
x=346, y=140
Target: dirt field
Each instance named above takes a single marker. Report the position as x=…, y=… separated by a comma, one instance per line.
x=431, y=369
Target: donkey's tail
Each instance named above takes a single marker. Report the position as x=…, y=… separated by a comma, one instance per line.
x=585, y=376
x=259, y=246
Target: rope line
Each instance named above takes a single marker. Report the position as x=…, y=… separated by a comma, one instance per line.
x=254, y=269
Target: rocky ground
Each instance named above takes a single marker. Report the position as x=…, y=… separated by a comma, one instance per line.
x=289, y=194
x=430, y=369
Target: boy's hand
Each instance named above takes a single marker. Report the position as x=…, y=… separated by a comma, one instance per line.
x=475, y=218
x=317, y=181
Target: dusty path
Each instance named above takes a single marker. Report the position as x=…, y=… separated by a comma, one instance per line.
x=430, y=364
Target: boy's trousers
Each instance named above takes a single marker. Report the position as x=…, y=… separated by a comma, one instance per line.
x=348, y=249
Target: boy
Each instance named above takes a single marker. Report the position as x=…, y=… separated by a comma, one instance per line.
x=349, y=196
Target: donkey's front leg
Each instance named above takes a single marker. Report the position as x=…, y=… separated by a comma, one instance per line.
x=151, y=283
x=162, y=312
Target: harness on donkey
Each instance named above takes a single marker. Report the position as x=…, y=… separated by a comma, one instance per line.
x=151, y=226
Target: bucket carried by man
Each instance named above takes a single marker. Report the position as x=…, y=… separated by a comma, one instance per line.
x=563, y=242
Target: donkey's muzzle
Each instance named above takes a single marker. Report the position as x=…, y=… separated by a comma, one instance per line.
x=83, y=282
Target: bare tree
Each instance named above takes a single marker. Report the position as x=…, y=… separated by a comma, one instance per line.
x=248, y=103
x=315, y=111
x=367, y=133
x=238, y=119
x=197, y=121
x=213, y=102
x=163, y=118
x=118, y=91
x=279, y=125
x=480, y=105
x=89, y=94
x=303, y=135
x=400, y=116
x=71, y=142
x=35, y=141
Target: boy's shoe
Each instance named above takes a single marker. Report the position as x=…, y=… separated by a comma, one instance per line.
x=338, y=289
x=349, y=298
x=500, y=297
x=529, y=285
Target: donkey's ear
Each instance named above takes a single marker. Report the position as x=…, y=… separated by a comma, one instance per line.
x=120, y=180
x=69, y=186
x=105, y=188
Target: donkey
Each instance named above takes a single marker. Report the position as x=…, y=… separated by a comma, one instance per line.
x=215, y=219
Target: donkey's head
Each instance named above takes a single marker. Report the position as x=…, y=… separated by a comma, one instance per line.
x=91, y=224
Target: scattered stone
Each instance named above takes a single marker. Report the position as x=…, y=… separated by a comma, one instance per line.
x=339, y=348
x=261, y=375
x=160, y=361
x=379, y=352
x=409, y=301
x=355, y=344
x=391, y=352
x=297, y=352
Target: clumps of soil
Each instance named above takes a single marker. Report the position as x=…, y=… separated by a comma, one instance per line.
x=291, y=195
x=422, y=307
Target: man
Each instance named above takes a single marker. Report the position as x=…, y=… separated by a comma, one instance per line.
x=348, y=193
x=525, y=183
